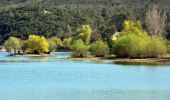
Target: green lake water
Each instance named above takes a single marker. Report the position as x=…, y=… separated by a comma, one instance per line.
x=57, y=78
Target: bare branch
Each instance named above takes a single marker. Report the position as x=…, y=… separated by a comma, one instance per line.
x=156, y=21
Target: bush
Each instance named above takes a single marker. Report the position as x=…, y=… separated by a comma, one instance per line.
x=79, y=49
x=67, y=43
x=168, y=49
x=12, y=44
x=37, y=44
x=99, y=48
x=58, y=42
x=136, y=43
x=133, y=27
x=52, y=45
x=84, y=33
x=139, y=47
x=156, y=46
x=24, y=46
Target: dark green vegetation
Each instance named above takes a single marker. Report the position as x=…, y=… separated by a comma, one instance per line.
x=20, y=18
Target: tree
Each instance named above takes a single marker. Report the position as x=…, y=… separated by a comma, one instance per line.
x=156, y=47
x=67, y=43
x=12, y=44
x=37, y=44
x=136, y=43
x=79, y=49
x=132, y=27
x=52, y=45
x=99, y=48
x=57, y=41
x=24, y=46
x=156, y=21
x=84, y=33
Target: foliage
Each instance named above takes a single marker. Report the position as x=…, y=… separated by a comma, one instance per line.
x=133, y=27
x=12, y=44
x=99, y=48
x=156, y=46
x=63, y=20
x=24, y=46
x=37, y=44
x=168, y=48
x=79, y=49
x=134, y=42
x=20, y=18
x=57, y=41
x=156, y=21
x=139, y=47
x=121, y=46
x=67, y=43
x=52, y=45
x=84, y=33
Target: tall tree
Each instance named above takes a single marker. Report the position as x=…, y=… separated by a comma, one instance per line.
x=85, y=33
x=156, y=21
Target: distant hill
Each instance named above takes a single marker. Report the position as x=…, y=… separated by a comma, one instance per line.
x=61, y=17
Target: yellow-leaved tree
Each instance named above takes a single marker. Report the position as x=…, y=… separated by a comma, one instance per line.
x=54, y=43
x=84, y=33
x=12, y=45
x=133, y=27
x=37, y=44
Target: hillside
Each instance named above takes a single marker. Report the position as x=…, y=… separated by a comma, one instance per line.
x=62, y=17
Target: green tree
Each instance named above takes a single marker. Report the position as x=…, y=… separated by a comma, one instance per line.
x=52, y=45
x=99, y=48
x=136, y=43
x=84, y=33
x=37, y=44
x=133, y=27
x=67, y=43
x=79, y=49
x=24, y=46
x=156, y=47
x=57, y=41
x=12, y=44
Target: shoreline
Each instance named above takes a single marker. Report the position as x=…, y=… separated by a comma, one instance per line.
x=164, y=60
x=131, y=61
x=146, y=61
x=32, y=55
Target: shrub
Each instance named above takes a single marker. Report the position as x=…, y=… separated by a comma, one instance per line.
x=156, y=46
x=120, y=46
x=168, y=48
x=99, y=48
x=84, y=33
x=52, y=45
x=136, y=43
x=139, y=47
x=37, y=44
x=79, y=49
x=58, y=42
x=133, y=27
x=12, y=44
x=67, y=43
x=24, y=46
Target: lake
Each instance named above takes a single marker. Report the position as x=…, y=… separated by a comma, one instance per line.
x=57, y=78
